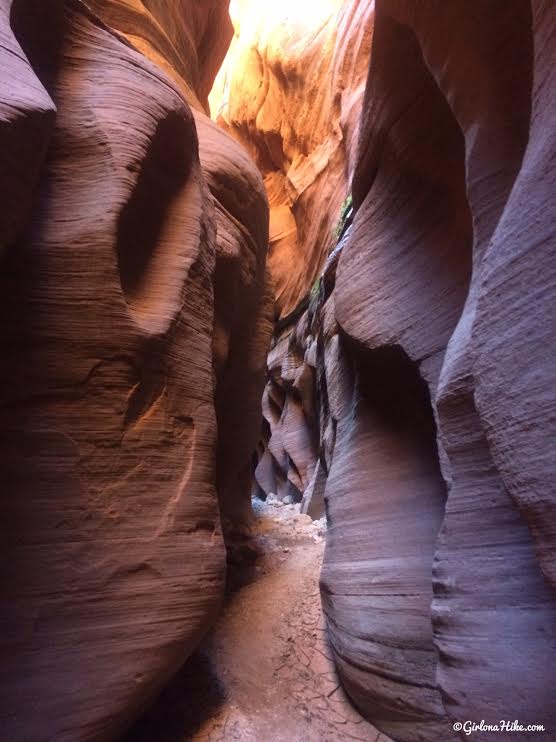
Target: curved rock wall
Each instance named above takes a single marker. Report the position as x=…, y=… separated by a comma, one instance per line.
x=243, y=315
x=26, y=119
x=130, y=259
x=414, y=388
x=189, y=44
x=187, y=40
x=290, y=90
x=410, y=387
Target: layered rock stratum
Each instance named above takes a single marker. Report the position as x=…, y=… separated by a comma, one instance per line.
x=147, y=255
x=411, y=393
x=133, y=236
x=290, y=91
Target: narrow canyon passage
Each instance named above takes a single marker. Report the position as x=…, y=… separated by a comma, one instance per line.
x=265, y=671
x=277, y=400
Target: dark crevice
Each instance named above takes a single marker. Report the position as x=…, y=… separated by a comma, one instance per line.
x=148, y=264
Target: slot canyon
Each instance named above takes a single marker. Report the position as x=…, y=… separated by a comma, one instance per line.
x=278, y=370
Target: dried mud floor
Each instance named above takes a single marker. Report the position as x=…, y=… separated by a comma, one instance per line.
x=264, y=672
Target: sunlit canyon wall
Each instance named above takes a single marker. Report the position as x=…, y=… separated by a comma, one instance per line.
x=412, y=393
x=291, y=90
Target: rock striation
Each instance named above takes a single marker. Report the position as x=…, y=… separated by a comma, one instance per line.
x=412, y=395
x=133, y=237
x=189, y=45
x=408, y=390
x=187, y=40
x=290, y=91
x=26, y=117
x=243, y=302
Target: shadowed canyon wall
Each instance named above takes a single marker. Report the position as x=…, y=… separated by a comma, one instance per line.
x=414, y=397
x=408, y=386
x=133, y=236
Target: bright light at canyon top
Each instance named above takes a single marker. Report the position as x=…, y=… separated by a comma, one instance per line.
x=268, y=24
x=304, y=12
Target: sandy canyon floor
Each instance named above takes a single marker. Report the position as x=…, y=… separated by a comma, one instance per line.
x=264, y=673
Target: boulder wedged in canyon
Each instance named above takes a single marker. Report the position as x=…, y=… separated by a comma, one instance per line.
x=290, y=90
x=112, y=548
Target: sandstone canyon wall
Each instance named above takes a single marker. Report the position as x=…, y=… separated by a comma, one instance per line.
x=409, y=386
x=120, y=203
x=414, y=398
x=290, y=90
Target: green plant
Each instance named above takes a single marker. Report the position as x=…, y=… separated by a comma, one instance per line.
x=315, y=288
x=345, y=210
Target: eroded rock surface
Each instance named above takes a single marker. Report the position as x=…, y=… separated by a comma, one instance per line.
x=187, y=40
x=112, y=548
x=415, y=386
x=26, y=117
x=290, y=90
x=190, y=44
x=243, y=314
x=409, y=391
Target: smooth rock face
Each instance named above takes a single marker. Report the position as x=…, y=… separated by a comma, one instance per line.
x=290, y=90
x=190, y=44
x=414, y=388
x=410, y=390
x=112, y=549
x=26, y=121
x=400, y=288
x=188, y=40
x=445, y=279
x=522, y=251
x=243, y=314
x=494, y=614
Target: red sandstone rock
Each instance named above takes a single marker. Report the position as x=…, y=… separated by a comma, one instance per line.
x=442, y=296
x=290, y=90
x=111, y=541
x=300, y=402
x=26, y=122
x=413, y=389
x=190, y=44
x=188, y=40
x=243, y=313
